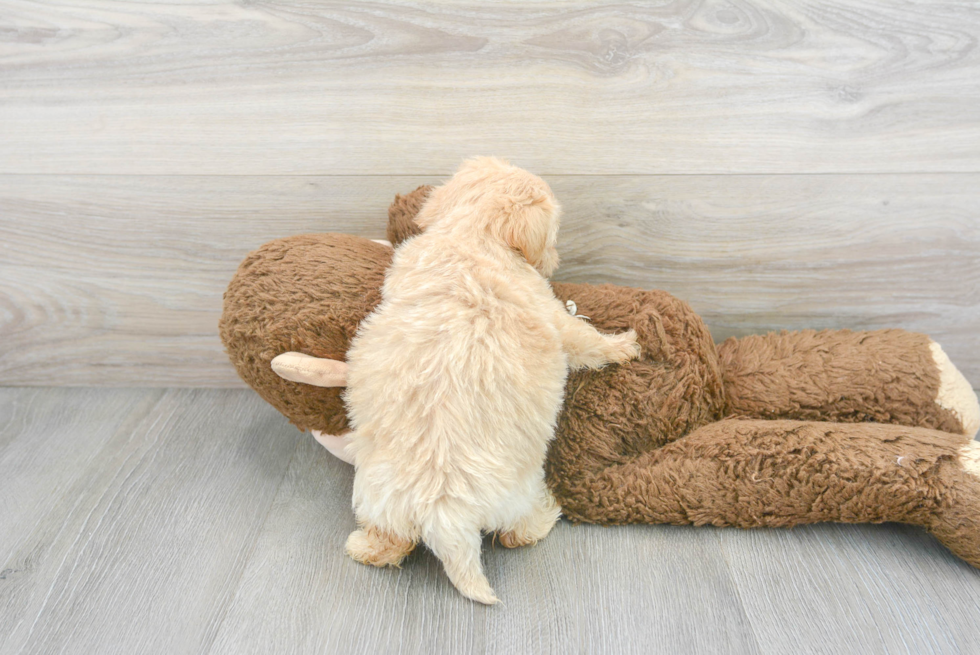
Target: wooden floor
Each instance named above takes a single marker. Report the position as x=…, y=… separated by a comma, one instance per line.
x=198, y=521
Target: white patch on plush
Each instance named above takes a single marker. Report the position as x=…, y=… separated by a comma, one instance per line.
x=955, y=393
x=337, y=445
x=970, y=456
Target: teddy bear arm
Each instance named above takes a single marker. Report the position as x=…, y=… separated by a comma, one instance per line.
x=317, y=371
x=781, y=473
x=886, y=376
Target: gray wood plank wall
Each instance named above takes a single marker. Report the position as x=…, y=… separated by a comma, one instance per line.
x=776, y=164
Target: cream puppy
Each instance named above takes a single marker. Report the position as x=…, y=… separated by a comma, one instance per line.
x=456, y=379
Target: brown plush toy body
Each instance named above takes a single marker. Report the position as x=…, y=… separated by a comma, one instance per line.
x=771, y=430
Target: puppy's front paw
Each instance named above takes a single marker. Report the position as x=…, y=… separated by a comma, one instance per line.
x=622, y=347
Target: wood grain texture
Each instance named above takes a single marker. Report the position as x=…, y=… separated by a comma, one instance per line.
x=48, y=442
x=135, y=542
x=145, y=521
x=684, y=86
x=54, y=443
x=584, y=589
x=111, y=280
x=873, y=583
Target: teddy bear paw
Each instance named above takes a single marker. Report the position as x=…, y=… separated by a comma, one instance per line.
x=955, y=393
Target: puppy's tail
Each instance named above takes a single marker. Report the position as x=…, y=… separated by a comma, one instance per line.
x=459, y=551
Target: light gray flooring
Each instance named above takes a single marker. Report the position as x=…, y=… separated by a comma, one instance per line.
x=198, y=521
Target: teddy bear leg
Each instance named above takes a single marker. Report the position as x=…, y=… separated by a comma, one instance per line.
x=781, y=473
x=536, y=523
x=885, y=376
x=958, y=527
x=377, y=547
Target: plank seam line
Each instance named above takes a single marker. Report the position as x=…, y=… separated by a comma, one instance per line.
x=447, y=172
x=220, y=621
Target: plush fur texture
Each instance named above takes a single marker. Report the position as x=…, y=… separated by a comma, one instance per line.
x=294, y=294
x=762, y=431
x=887, y=376
x=456, y=379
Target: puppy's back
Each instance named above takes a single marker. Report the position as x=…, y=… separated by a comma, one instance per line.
x=462, y=353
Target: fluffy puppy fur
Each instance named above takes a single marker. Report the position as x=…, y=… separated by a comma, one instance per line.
x=455, y=381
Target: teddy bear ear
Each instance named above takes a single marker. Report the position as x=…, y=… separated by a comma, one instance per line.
x=402, y=213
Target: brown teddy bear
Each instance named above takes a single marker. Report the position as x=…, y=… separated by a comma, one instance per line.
x=774, y=430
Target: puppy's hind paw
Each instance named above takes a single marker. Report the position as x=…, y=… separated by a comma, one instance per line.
x=377, y=548
x=513, y=539
x=534, y=527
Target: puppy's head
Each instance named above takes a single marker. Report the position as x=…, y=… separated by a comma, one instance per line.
x=489, y=196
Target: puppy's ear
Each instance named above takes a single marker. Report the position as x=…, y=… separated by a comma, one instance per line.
x=528, y=224
x=430, y=210
x=439, y=203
